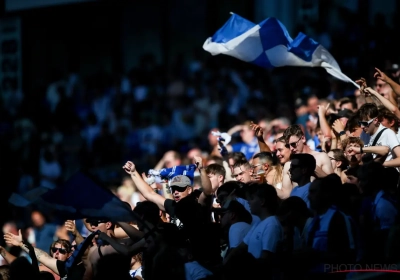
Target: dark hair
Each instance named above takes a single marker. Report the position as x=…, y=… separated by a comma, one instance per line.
x=368, y=111
x=266, y=157
x=244, y=163
x=385, y=113
x=268, y=193
x=293, y=130
x=228, y=187
x=338, y=155
x=217, y=159
x=237, y=156
x=64, y=243
x=306, y=161
x=216, y=169
x=238, y=209
x=5, y=272
x=149, y=211
x=352, y=123
x=294, y=204
x=346, y=100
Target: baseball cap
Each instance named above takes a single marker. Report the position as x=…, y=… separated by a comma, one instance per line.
x=181, y=181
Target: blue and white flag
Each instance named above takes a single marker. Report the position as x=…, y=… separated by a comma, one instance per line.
x=268, y=44
x=80, y=197
x=169, y=173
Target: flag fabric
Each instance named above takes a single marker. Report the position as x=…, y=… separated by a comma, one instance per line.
x=169, y=173
x=268, y=44
x=79, y=197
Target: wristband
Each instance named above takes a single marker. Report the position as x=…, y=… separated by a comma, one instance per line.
x=361, y=150
x=342, y=133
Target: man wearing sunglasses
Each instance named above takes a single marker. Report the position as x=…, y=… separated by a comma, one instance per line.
x=180, y=187
x=380, y=135
x=296, y=142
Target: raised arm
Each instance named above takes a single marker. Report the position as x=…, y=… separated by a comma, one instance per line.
x=42, y=257
x=382, y=76
x=147, y=192
x=386, y=102
x=6, y=255
x=325, y=128
x=258, y=131
x=287, y=184
x=205, y=182
x=71, y=227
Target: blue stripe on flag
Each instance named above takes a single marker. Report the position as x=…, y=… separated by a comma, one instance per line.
x=234, y=27
x=303, y=47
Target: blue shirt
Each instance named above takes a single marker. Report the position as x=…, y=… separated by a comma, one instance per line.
x=44, y=236
x=247, y=149
x=302, y=192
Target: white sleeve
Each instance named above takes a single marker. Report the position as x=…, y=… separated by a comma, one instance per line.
x=390, y=139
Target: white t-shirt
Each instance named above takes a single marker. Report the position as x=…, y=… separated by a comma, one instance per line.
x=388, y=138
x=194, y=271
x=264, y=236
x=237, y=232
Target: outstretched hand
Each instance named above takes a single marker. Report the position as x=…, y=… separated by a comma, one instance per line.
x=258, y=130
x=12, y=239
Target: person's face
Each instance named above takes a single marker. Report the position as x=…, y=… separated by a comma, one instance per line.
x=247, y=134
x=368, y=125
x=256, y=166
x=59, y=252
x=170, y=160
x=296, y=144
x=282, y=152
x=255, y=204
x=383, y=88
x=355, y=132
x=178, y=192
x=295, y=171
x=216, y=180
x=334, y=162
x=386, y=123
x=37, y=219
x=312, y=105
x=241, y=174
x=100, y=225
x=351, y=156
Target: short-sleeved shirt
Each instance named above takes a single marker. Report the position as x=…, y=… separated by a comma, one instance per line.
x=237, y=233
x=302, y=192
x=264, y=236
x=388, y=138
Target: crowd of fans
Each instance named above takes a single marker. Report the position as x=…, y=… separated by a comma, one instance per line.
x=269, y=199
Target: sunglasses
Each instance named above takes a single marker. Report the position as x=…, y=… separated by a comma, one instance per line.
x=60, y=250
x=364, y=123
x=177, y=188
x=95, y=223
x=293, y=144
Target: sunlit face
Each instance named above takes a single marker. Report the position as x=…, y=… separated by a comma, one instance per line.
x=216, y=181
x=296, y=144
x=383, y=88
x=351, y=156
x=282, y=152
x=368, y=125
x=59, y=252
x=179, y=193
x=242, y=174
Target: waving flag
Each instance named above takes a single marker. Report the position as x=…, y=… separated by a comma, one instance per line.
x=268, y=44
x=80, y=197
x=169, y=173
